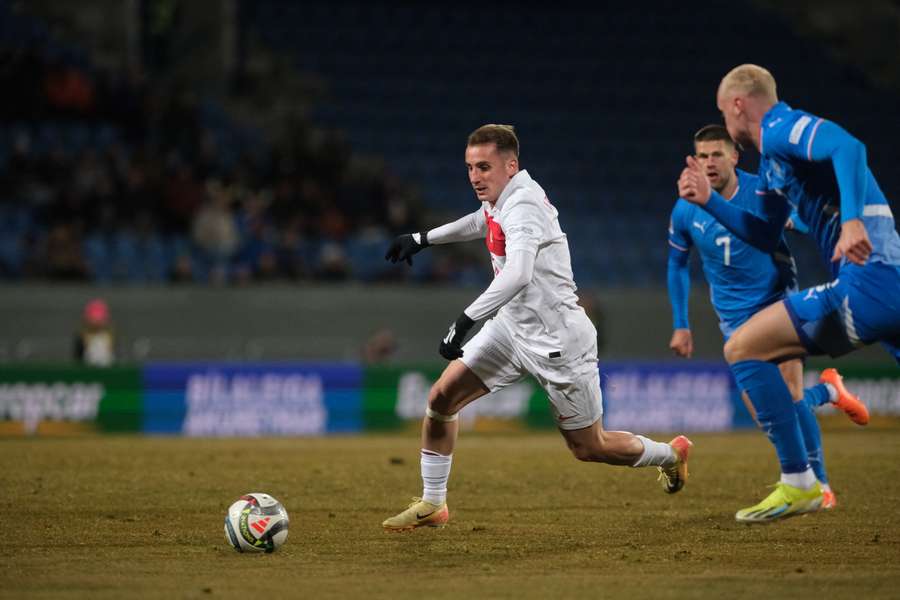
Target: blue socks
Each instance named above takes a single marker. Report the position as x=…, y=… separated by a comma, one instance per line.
x=812, y=436
x=816, y=396
x=774, y=410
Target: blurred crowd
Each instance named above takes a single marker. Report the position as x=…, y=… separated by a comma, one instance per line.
x=111, y=177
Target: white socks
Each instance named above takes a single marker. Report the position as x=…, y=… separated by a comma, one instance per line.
x=832, y=392
x=656, y=454
x=804, y=480
x=435, y=473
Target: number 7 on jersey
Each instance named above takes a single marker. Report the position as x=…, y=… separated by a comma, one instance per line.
x=725, y=240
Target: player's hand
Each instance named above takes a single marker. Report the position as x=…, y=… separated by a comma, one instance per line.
x=451, y=345
x=682, y=343
x=693, y=185
x=404, y=246
x=854, y=243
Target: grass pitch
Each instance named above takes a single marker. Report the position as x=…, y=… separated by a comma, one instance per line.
x=134, y=517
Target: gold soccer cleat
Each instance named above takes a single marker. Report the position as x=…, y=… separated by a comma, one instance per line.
x=418, y=514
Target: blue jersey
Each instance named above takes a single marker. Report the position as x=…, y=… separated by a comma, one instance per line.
x=806, y=160
x=742, y=279
x=818, y=169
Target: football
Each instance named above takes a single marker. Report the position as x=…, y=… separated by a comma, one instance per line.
x=256, y=523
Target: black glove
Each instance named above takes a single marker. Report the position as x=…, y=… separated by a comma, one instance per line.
x=451, y=345
x=404, y=246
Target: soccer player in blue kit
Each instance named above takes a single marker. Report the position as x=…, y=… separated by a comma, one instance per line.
x=743, y=281
x=815, y=167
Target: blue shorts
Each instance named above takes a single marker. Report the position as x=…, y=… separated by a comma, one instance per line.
x=861, y=306
x=730, y=326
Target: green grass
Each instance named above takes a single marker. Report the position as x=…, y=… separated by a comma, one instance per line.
x=129, y=517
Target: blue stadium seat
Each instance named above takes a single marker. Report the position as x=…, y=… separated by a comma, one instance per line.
x=98, y=258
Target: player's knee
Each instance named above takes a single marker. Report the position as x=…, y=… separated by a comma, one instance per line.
x=438, y=399
x=735, y=350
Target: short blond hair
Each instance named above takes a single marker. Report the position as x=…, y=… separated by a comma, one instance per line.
x=750, y=80
x=504, y=136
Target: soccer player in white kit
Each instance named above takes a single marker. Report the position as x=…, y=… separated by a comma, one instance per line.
x=537, y=328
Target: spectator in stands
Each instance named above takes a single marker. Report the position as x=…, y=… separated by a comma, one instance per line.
x=95, y=341
x=105, y=170
x=380, y=347
x=215, y=233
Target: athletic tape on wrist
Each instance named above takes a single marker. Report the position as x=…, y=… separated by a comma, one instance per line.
x=435, y=416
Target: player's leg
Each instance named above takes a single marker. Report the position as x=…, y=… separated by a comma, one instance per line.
x=573, y=387
x=594, y=444
x=456, y=387
x=750, y=408
x=812, y=436
x=623, y=448
x=792, y=371
x=831, y=390
x=488, y=363
x=769, y=336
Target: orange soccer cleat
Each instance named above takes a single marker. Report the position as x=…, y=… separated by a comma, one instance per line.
x=847, y=402
x=674, y=476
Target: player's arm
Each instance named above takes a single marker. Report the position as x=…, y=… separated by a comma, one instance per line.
x=523, y=228
x=469, y=227
x=811, y=139
x=828, y=141
x=679, y=285
x=762, y=231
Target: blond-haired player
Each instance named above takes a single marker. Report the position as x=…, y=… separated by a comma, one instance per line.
x=815, y=167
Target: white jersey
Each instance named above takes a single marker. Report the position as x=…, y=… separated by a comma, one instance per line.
x=544, y=317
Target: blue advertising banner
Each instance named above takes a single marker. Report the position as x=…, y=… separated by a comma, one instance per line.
x=246, y=399
x=689, y=396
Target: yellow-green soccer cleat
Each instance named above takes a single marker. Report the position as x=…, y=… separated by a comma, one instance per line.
x=674, y=476
x=785, y=501
x=418, y=514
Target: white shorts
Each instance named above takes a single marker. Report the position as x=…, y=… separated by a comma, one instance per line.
x=572, y=382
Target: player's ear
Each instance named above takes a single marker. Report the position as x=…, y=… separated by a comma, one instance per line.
x=512, y=166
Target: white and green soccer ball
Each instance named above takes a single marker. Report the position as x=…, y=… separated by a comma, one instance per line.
x=256, y=523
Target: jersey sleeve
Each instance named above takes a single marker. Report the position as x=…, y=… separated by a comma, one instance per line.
x=678, y=275
x=679, y=238
x=813, y=139
x=515, y=275
x=762, y=231
x=678, y=280
x=469, y=227
x=523, y=225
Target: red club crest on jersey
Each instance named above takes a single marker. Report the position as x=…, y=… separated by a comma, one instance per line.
x=495, y=239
